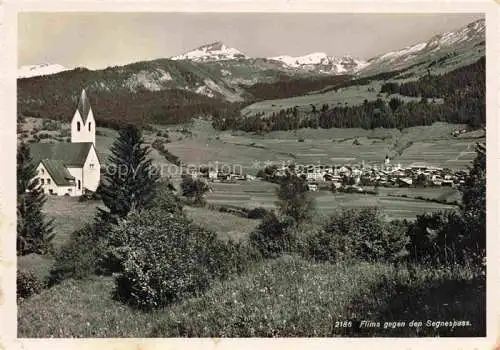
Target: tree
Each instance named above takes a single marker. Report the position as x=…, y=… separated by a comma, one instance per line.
x=130, y=181
x=194, y=189
x=294, y=199
x=34, y=230
x=474, y=200
x=394, y=103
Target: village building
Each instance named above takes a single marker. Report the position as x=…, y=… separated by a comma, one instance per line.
x=70, y=168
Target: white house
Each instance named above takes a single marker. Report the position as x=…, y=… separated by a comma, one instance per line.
x=213, y=174
x=70, y=168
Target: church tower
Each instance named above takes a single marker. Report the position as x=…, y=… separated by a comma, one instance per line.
x=83, y=123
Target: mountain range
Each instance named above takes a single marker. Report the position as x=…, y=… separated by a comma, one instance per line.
x=218, y=71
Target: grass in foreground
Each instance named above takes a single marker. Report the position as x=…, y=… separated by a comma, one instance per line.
x=278, y=298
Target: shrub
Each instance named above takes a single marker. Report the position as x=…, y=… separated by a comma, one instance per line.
x=294, y=199
x=301, y=140
x=165, y=198
x=28, y=284
x=194, y=189
x=257, y=213
x=164, y=258
x=440, y=238
x=358, y=234
x=80, y=257
x=272, y=237
x=51, y=125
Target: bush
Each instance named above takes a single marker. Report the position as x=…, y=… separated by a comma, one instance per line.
x=51, y=125
x=164, y=258
x=440, y=238
x=194, y=189
x=28, y=284
x=257, y=213
x=360, y=234
x=80, y=257
x=272, y=237
x=165, y=198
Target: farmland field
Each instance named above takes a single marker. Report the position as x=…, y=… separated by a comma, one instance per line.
x=262, y=194
x=432, y=145
x=224, y=224
x=348, y=96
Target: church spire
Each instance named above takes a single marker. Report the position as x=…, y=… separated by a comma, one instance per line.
x=84, y=106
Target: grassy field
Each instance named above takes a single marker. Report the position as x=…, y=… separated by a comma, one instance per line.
x=262, y=194
x=434, y=193
x=348, y=96
x=226, y=225
x=69, y=215
x=278, y=298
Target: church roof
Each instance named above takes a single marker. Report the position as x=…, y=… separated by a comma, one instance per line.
x=58, y=172
x=84, y=106
x=70, y=154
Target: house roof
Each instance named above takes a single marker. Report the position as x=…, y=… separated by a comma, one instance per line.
x=58, y=172
x=84, y=106
x=70, y=154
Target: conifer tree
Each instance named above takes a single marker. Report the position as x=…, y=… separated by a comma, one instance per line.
x=129, y=181
x=34, y=230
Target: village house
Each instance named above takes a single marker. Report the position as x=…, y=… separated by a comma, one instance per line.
x=70, y=168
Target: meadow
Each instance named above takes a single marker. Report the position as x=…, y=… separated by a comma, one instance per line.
x=258, y=304
x=252, y=194
x=346, y=96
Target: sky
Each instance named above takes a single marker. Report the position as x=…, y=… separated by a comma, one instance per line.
x=97, y=40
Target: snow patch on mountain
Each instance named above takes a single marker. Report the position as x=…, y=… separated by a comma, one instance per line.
x=40, y=69
x=212, y=52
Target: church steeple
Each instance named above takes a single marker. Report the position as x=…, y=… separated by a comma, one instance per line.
x=84, y=106
x=83, y=123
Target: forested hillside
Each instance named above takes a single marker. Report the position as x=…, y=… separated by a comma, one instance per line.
x=113, y=102
x=462, y=92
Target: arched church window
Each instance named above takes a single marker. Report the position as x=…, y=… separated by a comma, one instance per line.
x=90, y=125
x=77, y=126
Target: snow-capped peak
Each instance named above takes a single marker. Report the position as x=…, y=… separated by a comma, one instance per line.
x=216, y=51
x=39, y=69
x=472, y=32
x=321, y=61
x=312, y=58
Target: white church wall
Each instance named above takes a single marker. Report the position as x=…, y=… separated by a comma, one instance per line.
x=78, y=174
x=91, y=171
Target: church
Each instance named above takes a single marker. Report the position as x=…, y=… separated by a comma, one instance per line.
x=70, y=168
